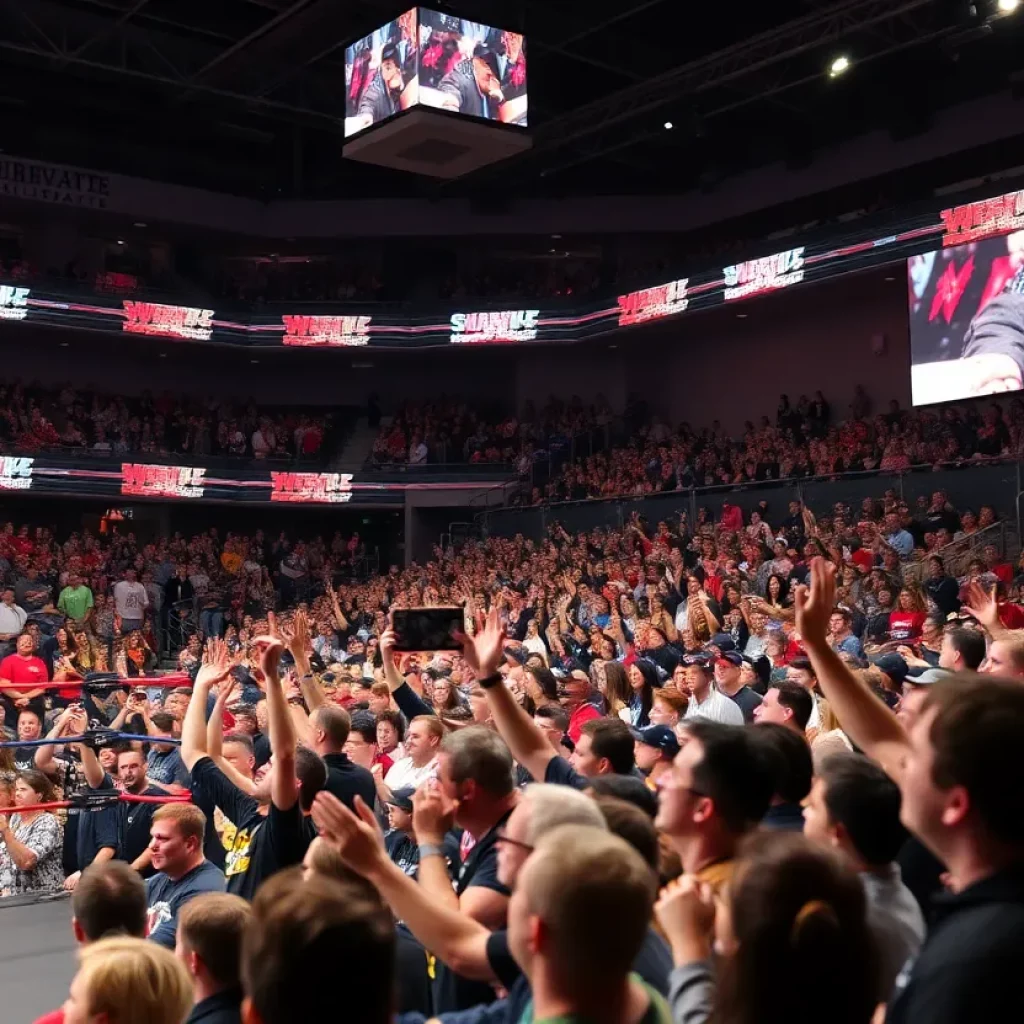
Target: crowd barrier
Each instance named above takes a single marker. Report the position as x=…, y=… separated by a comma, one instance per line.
x=968, y=486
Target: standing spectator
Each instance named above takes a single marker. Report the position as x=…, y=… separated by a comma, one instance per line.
x=317, y=929
x=24, y=668
x=715, y=794
x=422, y=742
x=130, y=602
x=705, y=700
x=12, y=620
x=183, y=871
x=210, y=932
x=729, y=682
x=330, y=727
x=31, y=841
x=956, y=769
x=475, y=780
x=75, y=600
x=855, y=807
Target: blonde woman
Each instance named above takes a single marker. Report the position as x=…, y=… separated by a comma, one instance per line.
x=128, y=981
x=830, y=738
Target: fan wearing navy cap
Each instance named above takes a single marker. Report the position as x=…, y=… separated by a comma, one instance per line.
x=705, y=700
x=654, y=750
x=729, y=682
x=474, y=86
x=894, y=670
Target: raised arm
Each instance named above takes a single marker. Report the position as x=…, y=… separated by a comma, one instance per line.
x=299, y=643
x=214, y=668
x=865, y=719
x=483, y=654
x=984, y=606
x=454, y=937
x=215, y=739
x=284, y=789
x=410, y=703
x=44, y=755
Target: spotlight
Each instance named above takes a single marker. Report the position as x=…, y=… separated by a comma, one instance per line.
x=838, y=66
x=669, y=126
x=1008, y=6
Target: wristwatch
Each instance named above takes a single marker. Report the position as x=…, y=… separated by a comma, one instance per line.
x=492, y=680
x=431, y=850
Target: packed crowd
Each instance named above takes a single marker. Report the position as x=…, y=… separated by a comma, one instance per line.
x=449, y=430
x=34, y=418
x=685, y=700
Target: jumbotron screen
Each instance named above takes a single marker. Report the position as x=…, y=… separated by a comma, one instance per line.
x=471, y=68
x=381, y=72
x=967, y=319
x=435, y=60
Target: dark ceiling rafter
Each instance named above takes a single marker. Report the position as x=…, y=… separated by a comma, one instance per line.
x=730, y=64
x=767, y=89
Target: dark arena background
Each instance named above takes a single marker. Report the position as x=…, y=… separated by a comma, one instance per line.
x=341, y=307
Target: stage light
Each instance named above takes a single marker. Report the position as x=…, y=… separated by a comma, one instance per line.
x=1008, y=6
x=669, y=126
x=838, y=66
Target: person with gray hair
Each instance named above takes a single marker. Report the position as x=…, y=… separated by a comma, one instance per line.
x=463, y=944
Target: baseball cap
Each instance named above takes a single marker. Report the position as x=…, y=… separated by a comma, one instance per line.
x=733, y=657
x=928, y=676
x=390, y=52
x=894, y=666
x=402, y=798
x=488, y=56
x=723, y=641
x=660, y=737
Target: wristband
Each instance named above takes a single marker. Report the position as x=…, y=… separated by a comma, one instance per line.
x=431, y=850
x=490, y=681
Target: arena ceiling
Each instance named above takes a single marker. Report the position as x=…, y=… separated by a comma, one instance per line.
x=246, y=95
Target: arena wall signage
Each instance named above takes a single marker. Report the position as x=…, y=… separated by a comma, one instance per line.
x=315, y=488
x=343, y=326
x=15, y=473
x=162, y=481
x=53, y=183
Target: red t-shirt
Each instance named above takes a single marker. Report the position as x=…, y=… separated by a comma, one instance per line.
x=53, y=1017
x=905, y=625
x=17, y=669
x=1011, y=615
x=584, y=713
x=863, y=558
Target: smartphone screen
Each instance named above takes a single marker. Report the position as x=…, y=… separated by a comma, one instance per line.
x=427, y=629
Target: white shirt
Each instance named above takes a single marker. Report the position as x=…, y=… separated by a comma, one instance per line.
x=716, y=708
x=535, y=645
x=12, y=618
x=404, y=773
x=130, y=599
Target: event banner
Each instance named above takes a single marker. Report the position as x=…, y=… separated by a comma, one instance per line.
x=91, y=475
x=343, y=326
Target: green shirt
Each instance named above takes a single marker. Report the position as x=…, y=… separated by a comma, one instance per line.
x=75, y=602
x=658, y=1012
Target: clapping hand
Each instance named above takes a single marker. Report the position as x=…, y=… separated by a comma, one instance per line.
x=356, y=837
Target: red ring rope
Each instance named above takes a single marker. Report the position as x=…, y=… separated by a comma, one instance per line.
x=124, y=798
x=168, y=682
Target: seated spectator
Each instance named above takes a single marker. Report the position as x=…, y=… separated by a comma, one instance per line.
x=182, y=870
x=787, y=762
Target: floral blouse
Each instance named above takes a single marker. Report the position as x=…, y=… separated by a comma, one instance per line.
x=45, y=837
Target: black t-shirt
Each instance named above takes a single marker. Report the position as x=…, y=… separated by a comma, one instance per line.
x=480, y=868
x=346, y=781
x=970, y=966
x=411, y=974
x=262, y=845
x=403, y=851
x=97, y=829
x=133, y=827
x=747, y=701
x=561, y=773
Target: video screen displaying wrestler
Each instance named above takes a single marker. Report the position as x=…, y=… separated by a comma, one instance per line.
x=380, y=74
x=967, y=320
x=471, y=68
